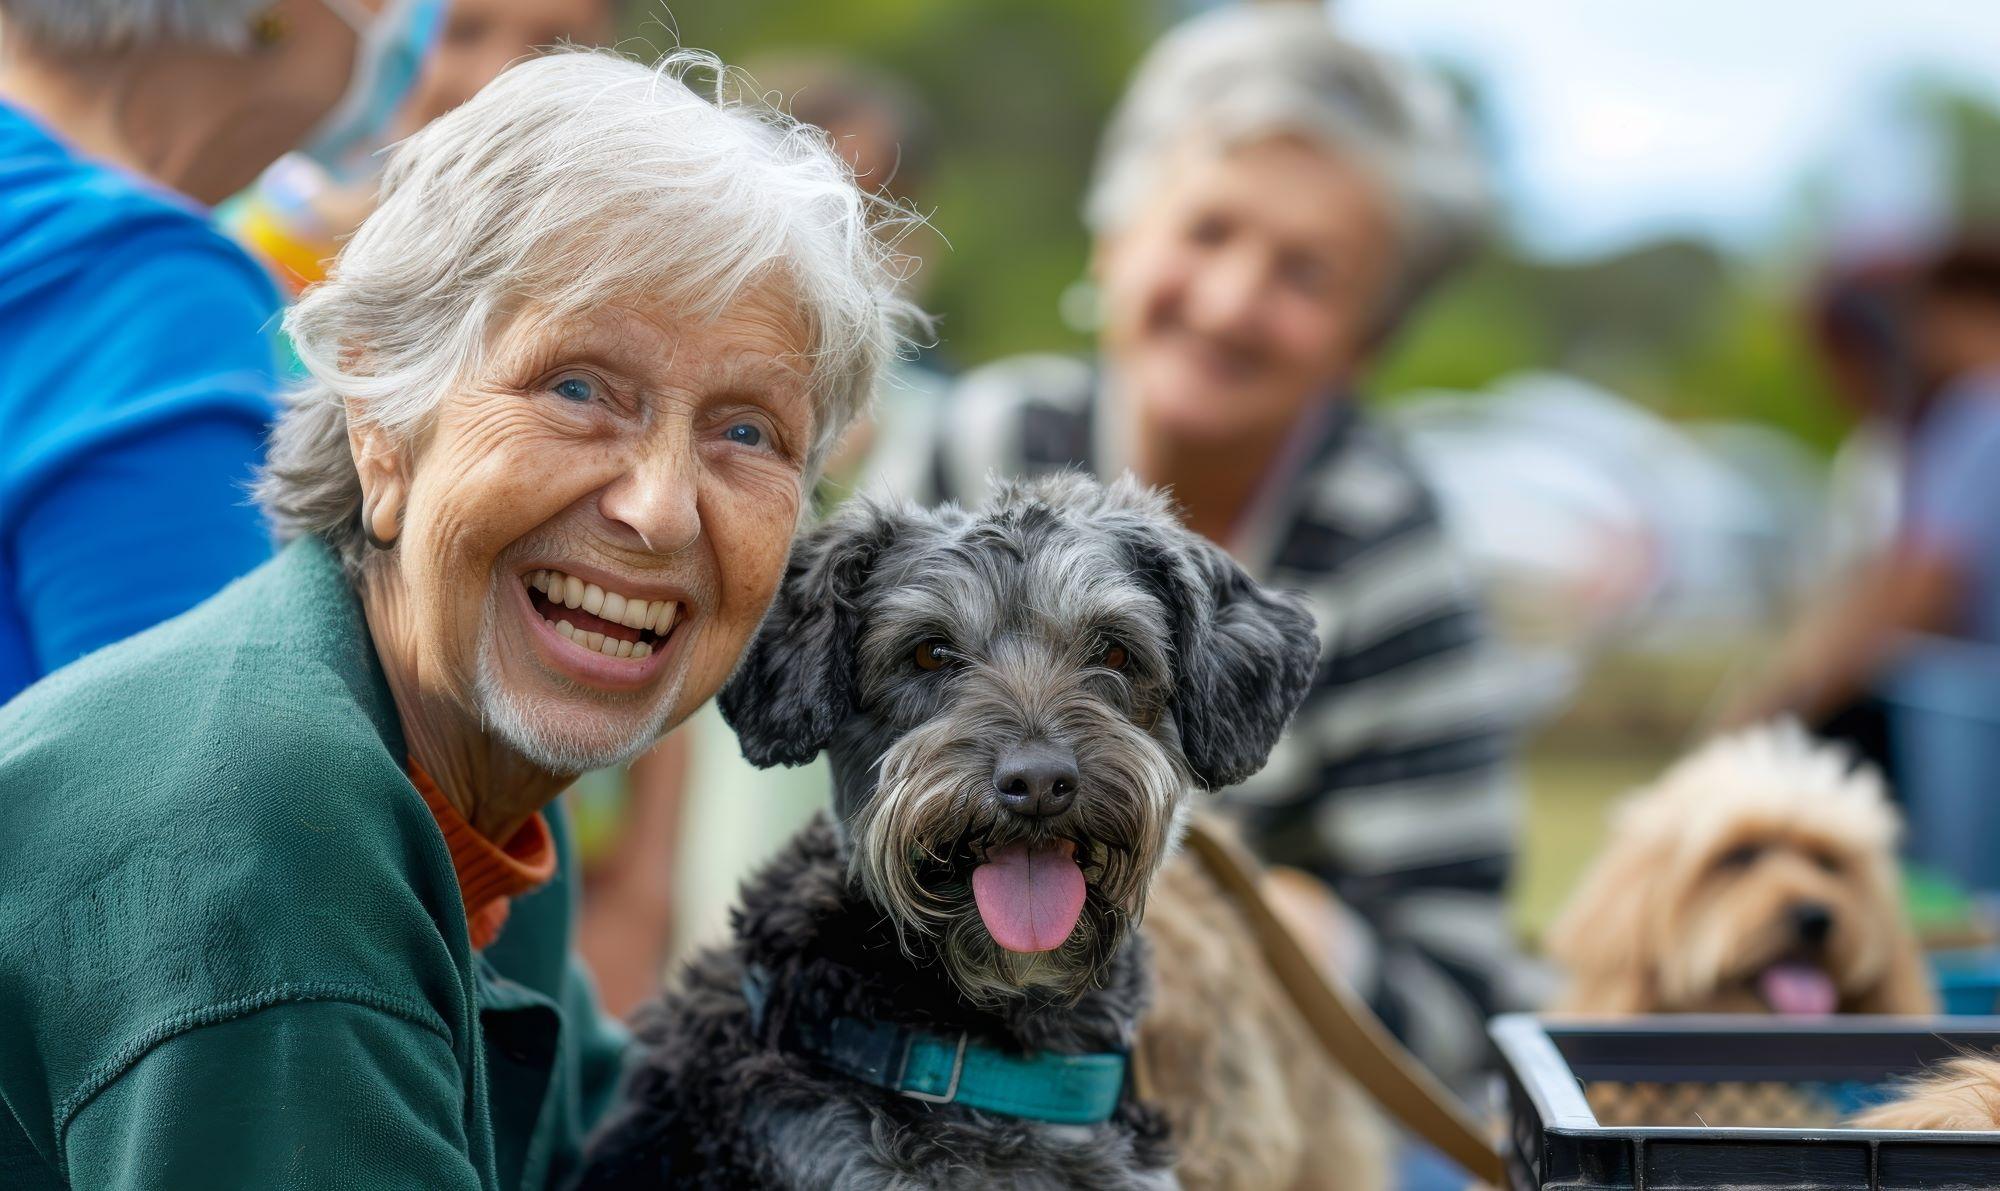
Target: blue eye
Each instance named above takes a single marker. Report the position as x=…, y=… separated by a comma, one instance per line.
x=575, y=388
x=744, y=434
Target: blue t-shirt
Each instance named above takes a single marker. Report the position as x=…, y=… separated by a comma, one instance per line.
x=1953, y=495
x=136, y=380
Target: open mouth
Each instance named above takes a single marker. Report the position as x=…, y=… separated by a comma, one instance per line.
x=607, y=622
x=1030, y=893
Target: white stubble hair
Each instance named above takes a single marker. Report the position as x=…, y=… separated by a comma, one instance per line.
x=544, y=730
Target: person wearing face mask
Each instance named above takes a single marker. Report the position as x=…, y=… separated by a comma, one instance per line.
x=299, y=211
x=136, y=366
x=1269, y=203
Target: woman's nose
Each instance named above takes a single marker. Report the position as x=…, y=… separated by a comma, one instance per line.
x=657, y=498
x=1226, y=296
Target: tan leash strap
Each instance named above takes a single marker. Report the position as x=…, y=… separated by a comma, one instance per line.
x=1349, y=1031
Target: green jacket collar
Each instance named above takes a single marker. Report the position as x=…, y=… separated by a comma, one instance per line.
x=309, y=569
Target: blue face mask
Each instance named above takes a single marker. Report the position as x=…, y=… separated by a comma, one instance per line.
x=388, y=55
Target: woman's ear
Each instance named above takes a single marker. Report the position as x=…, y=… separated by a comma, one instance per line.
x=384, y=475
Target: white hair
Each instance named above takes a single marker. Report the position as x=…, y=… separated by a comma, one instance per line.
x=114, y=24
x=1252, y=72
x=569, y=181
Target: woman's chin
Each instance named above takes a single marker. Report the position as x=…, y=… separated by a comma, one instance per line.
x=1203, y=417
x=573, y=730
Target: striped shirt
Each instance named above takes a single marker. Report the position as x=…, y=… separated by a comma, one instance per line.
x=1393, y=783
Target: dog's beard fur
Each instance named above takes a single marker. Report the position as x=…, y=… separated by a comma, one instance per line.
x=932, y=819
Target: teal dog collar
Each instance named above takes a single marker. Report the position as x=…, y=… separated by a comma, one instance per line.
x=951, y=1069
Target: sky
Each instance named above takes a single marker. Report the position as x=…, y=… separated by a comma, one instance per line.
x=1618, y=120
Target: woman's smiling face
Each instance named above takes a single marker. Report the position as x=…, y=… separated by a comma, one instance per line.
x=594, y=527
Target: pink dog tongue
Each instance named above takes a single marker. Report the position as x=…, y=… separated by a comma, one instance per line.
x=1798, y=990
x=1029, y=898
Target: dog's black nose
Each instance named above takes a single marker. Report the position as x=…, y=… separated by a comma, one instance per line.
x=1036, y=779
x=1812, y=922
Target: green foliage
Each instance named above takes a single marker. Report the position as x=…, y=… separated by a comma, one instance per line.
x=1671, y=324
x=1018, y=89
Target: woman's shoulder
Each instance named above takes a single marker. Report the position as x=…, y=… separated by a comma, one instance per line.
x=260, y=700
x=206, y=820
x=93, y=219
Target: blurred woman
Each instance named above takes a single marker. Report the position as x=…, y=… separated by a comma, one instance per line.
x=1269, y=203
x=136, y=371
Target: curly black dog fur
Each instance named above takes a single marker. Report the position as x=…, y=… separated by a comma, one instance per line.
x=1068, y=614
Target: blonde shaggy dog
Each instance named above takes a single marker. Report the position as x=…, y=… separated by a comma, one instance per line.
x=1756, y=876
x=1962, y=1094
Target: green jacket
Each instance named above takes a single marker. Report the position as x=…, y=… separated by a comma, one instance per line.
x=232, y=947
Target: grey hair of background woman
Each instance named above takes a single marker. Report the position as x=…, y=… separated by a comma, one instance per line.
x=114, y=24
x=571, y=181
x=1251, y=72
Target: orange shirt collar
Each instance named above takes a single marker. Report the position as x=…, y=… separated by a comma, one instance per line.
x=490, y=875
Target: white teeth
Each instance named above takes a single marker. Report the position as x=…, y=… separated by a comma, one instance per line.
x=563, y=590
x=566, y=628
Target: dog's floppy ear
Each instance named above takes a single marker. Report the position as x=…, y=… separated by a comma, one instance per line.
x=795, y=684
x=1244, y=656
x=1601, y=938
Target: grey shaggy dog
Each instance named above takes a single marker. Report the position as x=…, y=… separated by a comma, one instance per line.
x=1057, y=671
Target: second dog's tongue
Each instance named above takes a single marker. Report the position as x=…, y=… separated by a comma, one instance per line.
x=1029, y=896
x=1798, y=990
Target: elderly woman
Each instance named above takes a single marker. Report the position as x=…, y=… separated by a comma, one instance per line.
x=136, y=368
x=286, y=899
x=1269, y=203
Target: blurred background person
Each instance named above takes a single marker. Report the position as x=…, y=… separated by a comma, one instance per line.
x=1939, y=574
x=1270, y=201
x=1861, y=326
x=136, y=368
x=296, y=215
x=1900, y=650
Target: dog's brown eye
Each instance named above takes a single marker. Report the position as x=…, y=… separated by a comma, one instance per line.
x=1827, y=862
x=933, y=653
x=1114, y=656
x=1738, y=858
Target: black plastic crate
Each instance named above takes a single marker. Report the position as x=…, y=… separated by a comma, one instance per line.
x=1678, y=1103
